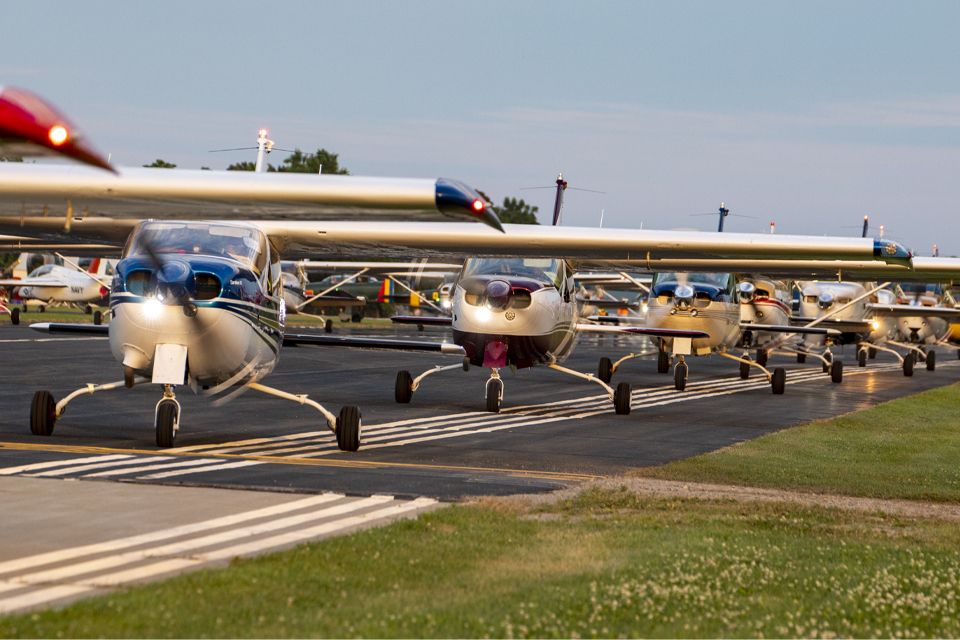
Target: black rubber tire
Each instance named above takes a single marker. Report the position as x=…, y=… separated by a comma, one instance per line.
x=87, y=309
x=348, y=429
x=871, y=353
x=621, y=399
x=466, y=363
x=43, y=413
x=420, y=327
x=862, y=357
x=801, y=358
x=98, y=317
x=494, y=395
x=41, y=309
x=779, y=381
x=328, y=326
x=15, y=315
x=744, y=371
x=356, y=318
x=908, y=364
x=680, y=376
x=762, y=357
x=606, y=370
x=836, y=371
x=931, y=360
x=404, y=389
x=129, y=376
x=167, y=415
x=663, y=362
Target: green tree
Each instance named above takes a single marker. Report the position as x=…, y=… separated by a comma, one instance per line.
x=324, y=160
x=243, y=166
x=516, y=212
x=160, y=164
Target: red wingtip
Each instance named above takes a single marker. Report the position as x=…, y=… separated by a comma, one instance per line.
x=29, y=125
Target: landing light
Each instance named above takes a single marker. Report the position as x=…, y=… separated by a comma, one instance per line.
x=876, y=325
x=152, y=308
x=446, y=304
x=483, y=314
x=57, y=134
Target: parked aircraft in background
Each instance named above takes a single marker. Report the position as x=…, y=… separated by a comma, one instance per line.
x=52, y=284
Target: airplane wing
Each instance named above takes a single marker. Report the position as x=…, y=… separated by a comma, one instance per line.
x=424, y=320
x=59, y=327
x=607, y=303
x=907, y=311
x=644, y=331
x=843, y=326
x=444, y=348
x=776, y=328
x=34, y=282
x=391, y=268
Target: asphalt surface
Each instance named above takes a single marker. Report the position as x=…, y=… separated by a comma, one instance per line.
x=554, y=429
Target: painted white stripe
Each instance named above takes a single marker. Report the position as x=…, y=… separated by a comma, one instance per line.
x=61, y=555
x=9, y=471
x=219, y=467
x=41, y=596
x=185, y=546
x=89, y=467
x=168, y=465
x=241, y=443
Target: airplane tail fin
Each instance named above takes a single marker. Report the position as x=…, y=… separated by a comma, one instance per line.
x=386, y=290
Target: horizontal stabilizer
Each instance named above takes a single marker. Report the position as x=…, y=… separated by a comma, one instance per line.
x=445, y=348
x=438, y=321
x=776, y=328
x=60, y=327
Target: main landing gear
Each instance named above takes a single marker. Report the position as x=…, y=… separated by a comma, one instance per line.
x=407, y=385
x=45, y=411
x=907, y=361
x=777, y=378
x=830, y=364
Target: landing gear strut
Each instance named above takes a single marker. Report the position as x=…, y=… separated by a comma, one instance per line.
x=777, y=378
x=621, y=397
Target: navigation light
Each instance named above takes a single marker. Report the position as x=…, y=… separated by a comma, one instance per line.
x=57, y=134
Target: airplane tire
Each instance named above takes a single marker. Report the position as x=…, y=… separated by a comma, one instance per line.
x=420, y=327
x=87, y=309
x=862, y=357
x=908, y=364
x=621, y=399
x=328, y=326
x=356, y=318
x=680, y=376
x=98, y=318
x=129, y=376
x=494, y=395
x=606, y=370
x=43, y=413
x=167, y=415
x=779, y=381
x=348, y=429
x=801, y=358
x=931, y=360
x=41, y=309
x=762, y=357
x=744, y=370
x=663, y=362
x=871, y=353
x=836, y=371
x=15, y=315
x=466, y=363
x=404, y=390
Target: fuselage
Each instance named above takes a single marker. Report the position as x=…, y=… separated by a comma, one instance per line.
x=822, y=298
x=226, y=272
x=695, y=302
x=768, y=303
x=78, y=286
x=515, y=312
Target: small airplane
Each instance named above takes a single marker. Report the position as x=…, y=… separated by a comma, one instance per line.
x=196, y=300
x=53, y=284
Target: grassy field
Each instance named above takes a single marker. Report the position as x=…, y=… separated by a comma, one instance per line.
x=907, y=448
x=604, y=565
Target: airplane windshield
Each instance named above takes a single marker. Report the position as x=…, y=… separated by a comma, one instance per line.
x=722, y=280
x=541, y=269
x=41, y=271
x=243, y=244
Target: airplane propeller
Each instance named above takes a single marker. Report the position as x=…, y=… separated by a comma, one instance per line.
x=172, y=279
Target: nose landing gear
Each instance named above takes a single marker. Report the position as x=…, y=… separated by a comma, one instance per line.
x=167, y=418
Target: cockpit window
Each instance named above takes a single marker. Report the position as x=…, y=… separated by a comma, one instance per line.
x=241, y=243
x=722, y=280
x=41, y=271
x=540, y=269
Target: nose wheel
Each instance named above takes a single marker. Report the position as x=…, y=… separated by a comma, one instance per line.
x=167, y=422
x=680, y=375
x=494, y=393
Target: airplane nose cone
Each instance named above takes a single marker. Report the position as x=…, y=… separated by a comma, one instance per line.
x=826, y=300
x=175, y=280
x=498, y=294
x=747, y=289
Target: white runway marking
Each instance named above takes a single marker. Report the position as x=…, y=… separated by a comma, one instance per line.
x=22, y=587
x=9, y=471
x=219, y=467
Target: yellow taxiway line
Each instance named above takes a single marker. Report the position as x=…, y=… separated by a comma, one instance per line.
x=310, y=462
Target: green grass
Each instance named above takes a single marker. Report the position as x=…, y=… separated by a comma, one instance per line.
x=906, y=448
x=607, y=564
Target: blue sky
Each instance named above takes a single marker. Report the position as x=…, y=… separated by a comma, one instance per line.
x=810, y=114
